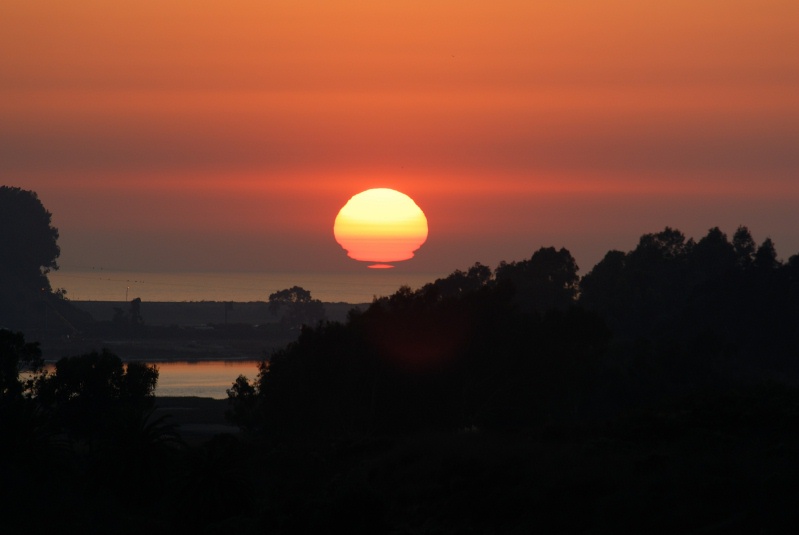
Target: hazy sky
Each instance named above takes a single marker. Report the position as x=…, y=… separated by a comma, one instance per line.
x=210, y=135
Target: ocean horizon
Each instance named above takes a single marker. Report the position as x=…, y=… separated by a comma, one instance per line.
x=123, y=286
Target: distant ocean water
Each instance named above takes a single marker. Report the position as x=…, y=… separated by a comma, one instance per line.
x=105, y=285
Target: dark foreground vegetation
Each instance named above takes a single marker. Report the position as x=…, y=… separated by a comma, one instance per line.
x=656, y=394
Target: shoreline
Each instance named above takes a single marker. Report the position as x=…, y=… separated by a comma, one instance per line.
x=198, y=313
x=177, y=331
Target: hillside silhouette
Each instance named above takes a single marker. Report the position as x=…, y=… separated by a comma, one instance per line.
x=657, y=393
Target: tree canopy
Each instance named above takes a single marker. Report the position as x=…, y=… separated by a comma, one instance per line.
x=28, y=241
x=87, y=393
x=298, y=307
x=681, y=354
x=676, y=289
x=532, y=339
x=28, y=251
x=16, y=356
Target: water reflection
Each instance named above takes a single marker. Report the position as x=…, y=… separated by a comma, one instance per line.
x=203, y=378
x=207, y=379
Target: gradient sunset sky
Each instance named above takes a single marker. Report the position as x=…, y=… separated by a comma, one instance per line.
x=208, y=135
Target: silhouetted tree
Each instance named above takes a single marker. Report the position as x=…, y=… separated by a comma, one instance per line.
x=28, y=241
x=458, y=283
x=243, y=401
x=28, y=251
x=465, y=350
x=713, y=257
x=606, y=287
x=33, y=459
x=547, y=280
x=669, y=244
x=793, y=272
x=135, y=312
x=299, y=308
x=744, y=247
x=88, y=392
x=17, y=356
x=641, y=291
x=132, y=318
x=470, y=354
x=765, y=260
x=25, y=433
x=713, y=307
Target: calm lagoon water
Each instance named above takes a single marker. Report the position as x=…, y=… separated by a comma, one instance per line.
x=212, y=378
x=206, y=379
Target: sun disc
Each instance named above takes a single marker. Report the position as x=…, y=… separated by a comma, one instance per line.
x=380, y=225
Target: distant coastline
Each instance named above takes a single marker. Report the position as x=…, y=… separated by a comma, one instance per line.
x=200, y=313
x=85, y=285
x=187, y=331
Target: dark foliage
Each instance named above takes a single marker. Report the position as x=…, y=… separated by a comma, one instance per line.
x=297, y=306
x=88, y=395
x=547, y=280
x=28, y=251
x=468, y=350
x=726, y=304
x=28, y=242
x=17, y=357
x=520, y=348
x=83, y=438
x=527, y=399
x=657, y=394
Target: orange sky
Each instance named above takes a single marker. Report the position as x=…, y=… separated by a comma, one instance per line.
x=201, y=135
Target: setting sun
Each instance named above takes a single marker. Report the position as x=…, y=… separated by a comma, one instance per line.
x=380, y=225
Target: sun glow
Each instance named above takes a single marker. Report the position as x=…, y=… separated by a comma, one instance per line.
x=380, y=225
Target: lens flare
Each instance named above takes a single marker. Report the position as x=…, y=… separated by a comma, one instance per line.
x=380, y=225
